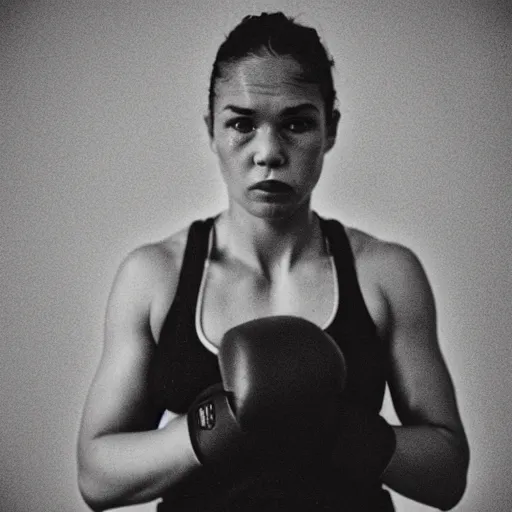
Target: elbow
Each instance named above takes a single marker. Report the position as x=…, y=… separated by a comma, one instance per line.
x=90, y=492
x=444, y=495
x=457, y=482
x=456, y=473
x=92, y=484
x=95, y=494
x=452, y=497
x=87, y=485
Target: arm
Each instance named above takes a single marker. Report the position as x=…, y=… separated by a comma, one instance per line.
x=122, y=459
x=431, y=459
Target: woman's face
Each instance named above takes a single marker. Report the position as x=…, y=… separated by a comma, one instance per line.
x=270, y=135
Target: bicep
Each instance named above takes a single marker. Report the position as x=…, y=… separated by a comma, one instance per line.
x=420, y=384
x=118, y=399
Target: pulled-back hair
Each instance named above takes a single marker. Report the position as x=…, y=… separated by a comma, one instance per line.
x=278, y=35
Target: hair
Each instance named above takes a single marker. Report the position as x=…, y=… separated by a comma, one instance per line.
x=278, y=35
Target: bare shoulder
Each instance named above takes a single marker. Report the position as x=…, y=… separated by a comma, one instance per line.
x=147, y=279
x=389, y=256
x=153, y=261
x=394, y=268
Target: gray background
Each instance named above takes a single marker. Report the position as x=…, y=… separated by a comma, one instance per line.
x=103, y=148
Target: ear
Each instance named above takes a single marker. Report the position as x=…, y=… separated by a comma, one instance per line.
x=332, y=129
x=208, y=121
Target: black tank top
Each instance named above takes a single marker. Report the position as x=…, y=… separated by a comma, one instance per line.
x=183, y=367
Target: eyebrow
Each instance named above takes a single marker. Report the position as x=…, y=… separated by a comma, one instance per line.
x=287, y=111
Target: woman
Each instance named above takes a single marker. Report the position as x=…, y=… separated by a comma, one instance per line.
x=271, y=120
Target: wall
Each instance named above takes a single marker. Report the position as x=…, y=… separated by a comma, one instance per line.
x=103, y=148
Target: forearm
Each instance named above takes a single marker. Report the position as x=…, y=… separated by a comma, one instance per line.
x=128, y=468
x=429, y=465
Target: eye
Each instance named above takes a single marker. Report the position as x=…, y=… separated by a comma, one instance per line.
x=299, y=124
x=241, y=124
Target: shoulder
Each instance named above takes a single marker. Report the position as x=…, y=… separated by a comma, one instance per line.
x=396, y=269
x=155, y=260
x=148, y=275
x=388, y=256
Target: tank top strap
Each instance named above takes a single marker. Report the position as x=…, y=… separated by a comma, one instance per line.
x=183, y=309
x=352, y=311
x=194, y=257
x=353, y=327
x=339, y=244
x=181, y=367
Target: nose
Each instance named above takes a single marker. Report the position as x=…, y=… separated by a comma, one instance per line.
x=269, y=150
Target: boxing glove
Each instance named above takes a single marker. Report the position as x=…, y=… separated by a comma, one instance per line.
x=278, y=373
x=216, y=436
x=278, y=368
x=283, y=374
x=282, y=391
x=286, y=377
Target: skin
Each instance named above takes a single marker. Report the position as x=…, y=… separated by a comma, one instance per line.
x=268, y=249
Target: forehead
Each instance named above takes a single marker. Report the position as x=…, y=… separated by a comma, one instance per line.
x=265, y=80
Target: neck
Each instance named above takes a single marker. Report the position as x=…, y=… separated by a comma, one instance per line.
x=269, y=245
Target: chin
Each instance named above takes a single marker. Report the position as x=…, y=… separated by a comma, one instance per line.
x=274, y=212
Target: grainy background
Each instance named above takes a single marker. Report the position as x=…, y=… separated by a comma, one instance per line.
x=103, y=148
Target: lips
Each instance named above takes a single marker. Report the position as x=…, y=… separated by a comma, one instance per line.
x=273, y=187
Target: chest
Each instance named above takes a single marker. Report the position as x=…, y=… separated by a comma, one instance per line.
x=231, y=296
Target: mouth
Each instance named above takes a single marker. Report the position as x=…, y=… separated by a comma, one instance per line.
x=273, y=187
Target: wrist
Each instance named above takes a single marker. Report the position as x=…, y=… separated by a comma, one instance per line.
x=191, y=454
x=214, y=433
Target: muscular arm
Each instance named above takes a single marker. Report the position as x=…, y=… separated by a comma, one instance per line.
x=432, y=455
x=122, y=459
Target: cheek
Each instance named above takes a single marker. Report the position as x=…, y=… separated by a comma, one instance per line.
x=230, y=165
x=232, y=158
x=308, y=159
x=228, y=146
x=310, y=150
